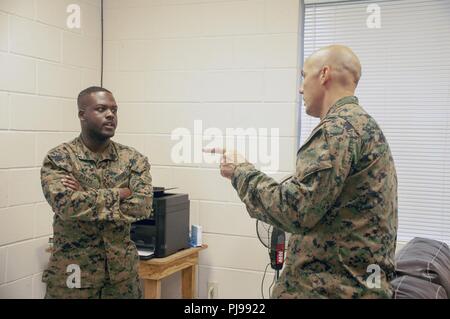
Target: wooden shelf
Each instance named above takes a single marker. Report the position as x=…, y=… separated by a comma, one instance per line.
x=152, y=271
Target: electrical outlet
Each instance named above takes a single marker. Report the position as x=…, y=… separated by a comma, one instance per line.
x=212, y=290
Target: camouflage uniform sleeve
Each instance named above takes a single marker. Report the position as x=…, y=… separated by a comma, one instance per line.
x=139, y=205
x=297, y=205
x=90, y=205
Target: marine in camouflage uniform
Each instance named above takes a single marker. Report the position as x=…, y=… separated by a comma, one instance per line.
x=91, y=226
x=340, y=207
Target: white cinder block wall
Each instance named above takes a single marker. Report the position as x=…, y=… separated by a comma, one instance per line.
x=227, y=63
x=43, y=66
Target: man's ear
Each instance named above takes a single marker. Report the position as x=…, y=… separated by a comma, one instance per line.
x=325, y=74
x=81, y=113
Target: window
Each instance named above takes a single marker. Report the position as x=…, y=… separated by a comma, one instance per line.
x=405, y=86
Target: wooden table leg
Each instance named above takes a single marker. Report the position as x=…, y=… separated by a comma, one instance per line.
x=188, y=283
x=152, y=289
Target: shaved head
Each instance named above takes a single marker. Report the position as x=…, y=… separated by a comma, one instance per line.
x=328, y=74
x=343, y=62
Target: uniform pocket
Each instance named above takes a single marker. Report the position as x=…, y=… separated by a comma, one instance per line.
x=313, y=157
x=313, y=169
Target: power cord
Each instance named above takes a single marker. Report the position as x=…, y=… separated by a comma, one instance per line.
x=273, y=282
x=262, y=281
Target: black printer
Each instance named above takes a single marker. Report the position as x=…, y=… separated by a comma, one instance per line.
x=167, y=231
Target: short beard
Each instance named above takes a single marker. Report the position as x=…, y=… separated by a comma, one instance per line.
x=97, y=136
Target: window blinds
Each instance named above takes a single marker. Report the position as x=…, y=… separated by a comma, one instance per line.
x=405, y=86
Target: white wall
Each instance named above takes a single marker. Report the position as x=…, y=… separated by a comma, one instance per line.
x=44, y=65
x=228, y=63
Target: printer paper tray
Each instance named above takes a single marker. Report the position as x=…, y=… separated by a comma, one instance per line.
x=145, y=254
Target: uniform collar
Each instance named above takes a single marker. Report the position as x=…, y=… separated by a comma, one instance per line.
x=341, y=102
x=332, y=111
x=84, y=153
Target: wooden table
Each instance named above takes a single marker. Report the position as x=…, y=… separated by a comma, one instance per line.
x=152, y=271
